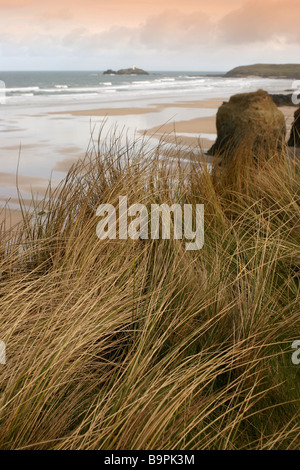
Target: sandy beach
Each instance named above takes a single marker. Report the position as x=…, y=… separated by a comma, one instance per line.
x=44, y=143
x=10, y=218
x=194, y=133
x=64, y=135
x=152, y=108
x=188, y=132
x=149, y=228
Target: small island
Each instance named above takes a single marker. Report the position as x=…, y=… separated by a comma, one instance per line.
x=286, y=71
x=131, y=71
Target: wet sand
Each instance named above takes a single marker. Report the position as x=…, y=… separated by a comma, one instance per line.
x=25, y=183
x=191, y=135
x=193, y=126
x=213, y=103
x=9, y=218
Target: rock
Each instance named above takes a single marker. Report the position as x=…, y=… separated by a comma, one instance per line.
x=250, y=119
x=132, y=71
x=109, y=72
x=294, y=140
x=283, y=100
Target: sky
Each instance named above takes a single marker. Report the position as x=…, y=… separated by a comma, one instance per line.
x=191, y=35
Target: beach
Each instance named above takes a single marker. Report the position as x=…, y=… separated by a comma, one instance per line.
x=149, y=228
x=44, y=131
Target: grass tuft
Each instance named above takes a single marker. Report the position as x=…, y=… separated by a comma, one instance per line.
x=141, y=344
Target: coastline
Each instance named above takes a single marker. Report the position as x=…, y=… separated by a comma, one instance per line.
x=188, y=123
x=64, y=134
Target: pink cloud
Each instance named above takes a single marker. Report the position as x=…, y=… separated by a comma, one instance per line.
x=258, y=21
x=173, y=29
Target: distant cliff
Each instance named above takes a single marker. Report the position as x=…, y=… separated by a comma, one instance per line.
x=132, y=71
x=291, y=71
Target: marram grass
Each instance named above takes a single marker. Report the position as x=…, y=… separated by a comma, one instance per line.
x=141, y=344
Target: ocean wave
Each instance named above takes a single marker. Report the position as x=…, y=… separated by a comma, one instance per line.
x=167, y=79
x=70, y=90
x=22, y=89
x=192, y=77
x=142, y=82
x=182, y=84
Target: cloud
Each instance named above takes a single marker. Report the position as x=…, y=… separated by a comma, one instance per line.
x=62, y=14
x=254, y=22
x=175, y=30
x=259, y=21
x=116, y=37
x=11, y=4
x=171, y=30
x=244, y=30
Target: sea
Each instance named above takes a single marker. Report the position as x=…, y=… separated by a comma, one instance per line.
x=76, y=86
x=41, y=136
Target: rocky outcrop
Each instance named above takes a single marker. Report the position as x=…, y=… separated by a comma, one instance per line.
x=132, y=71
x=110, y=72
x=294, y=140
x=290, y=71
x=250, y=119
x=283, y=100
